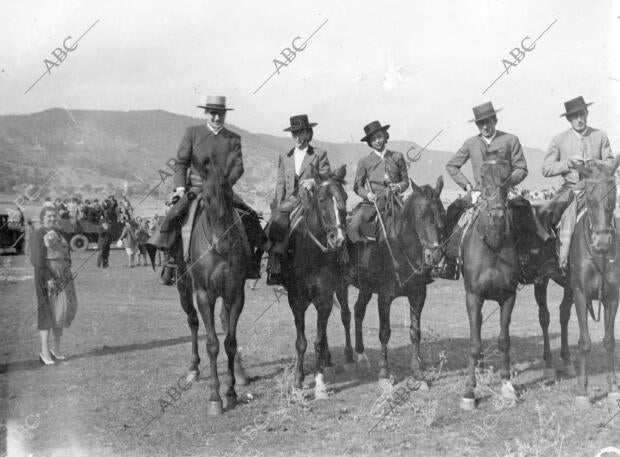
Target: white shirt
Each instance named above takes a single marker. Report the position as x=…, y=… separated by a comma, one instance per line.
x=489, y=140
x=215, y=131
x=299, y=155
x=380, y=154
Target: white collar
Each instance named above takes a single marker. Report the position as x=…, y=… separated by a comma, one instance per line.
x=580, y=135
x=215, y=131
x=489, y=140
x=380, y=154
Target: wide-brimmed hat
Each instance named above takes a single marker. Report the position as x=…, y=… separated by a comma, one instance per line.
x=576, y=105
x=299, y=122
x=214, y=102
x=373, y=127
x=484, y=111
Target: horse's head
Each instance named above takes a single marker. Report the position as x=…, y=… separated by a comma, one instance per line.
x=425, y=214
x=600, y=190
x=492, y=203
x=217, y=192
x=325, y=207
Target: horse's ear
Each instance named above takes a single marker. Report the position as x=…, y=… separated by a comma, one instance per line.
x=615, y=165
x=414, y=187
x=439, y=185
x=340, y=172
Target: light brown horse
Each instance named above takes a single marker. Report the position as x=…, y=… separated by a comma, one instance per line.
x=594, y=269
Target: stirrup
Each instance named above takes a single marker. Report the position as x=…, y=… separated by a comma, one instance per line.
x=168, y=275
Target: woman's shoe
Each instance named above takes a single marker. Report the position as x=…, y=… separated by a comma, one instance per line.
x=45, y=361
x=58, y=356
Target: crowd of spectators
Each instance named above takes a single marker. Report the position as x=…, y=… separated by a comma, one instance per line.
x=92, y=210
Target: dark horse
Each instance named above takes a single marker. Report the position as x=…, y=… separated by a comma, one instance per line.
x=490, y=268
x=311, y=270
x=594, y=268
x=218, y=258
x=419, y=230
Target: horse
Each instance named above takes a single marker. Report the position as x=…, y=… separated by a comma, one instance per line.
x=310, y=272
x=218, y=269
x=419, y=230
x=594, y=269
x=490, y=268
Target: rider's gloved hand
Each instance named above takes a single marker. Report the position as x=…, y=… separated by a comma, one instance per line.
x=572, y=163
x=394, y=187
x=178, y=194
x=307, y=184
x=371, y=196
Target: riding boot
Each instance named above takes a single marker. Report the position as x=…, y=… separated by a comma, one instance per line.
x=254, y=264
x=168, y=274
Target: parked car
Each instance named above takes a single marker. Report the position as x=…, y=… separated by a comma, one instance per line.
x=79, y=233
x=12, y=229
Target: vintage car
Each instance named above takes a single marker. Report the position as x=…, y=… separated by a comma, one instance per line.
x=12, y=229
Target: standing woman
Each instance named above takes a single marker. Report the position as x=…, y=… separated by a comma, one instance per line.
x=49, y=254
x=128, y=238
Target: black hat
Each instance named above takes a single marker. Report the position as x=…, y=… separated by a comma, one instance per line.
x=299, y=122
x=576, y=105
x=484, y=111
x=373, y=127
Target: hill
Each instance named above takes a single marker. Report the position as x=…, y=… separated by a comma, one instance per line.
x=107, y=150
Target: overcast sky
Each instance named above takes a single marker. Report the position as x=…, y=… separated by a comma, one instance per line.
x=419, y=66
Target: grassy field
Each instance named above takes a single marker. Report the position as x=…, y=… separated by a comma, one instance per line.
x=118, y=394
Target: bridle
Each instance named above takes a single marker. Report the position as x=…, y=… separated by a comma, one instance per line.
x=324, y=247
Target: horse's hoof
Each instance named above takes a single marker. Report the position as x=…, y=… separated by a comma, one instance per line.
x=214, y=408
x=582, y=401
x=349, y=367
x=383, y=373
x=230, y=402
x=569, y=371
x=329, y=372
x=320, y=390
x=468, y=404
x=549, y=374
x=423, y=385
x=192, y=376
x=613, y=398
x=362, y=361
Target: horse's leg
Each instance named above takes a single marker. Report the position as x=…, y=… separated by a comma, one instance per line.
x=611, y=308
x=540, y=293
x=299, y=306
x=323, y=307
x=184, y=287
x=416, y=302
x=233, y=307
x=585, y=345
x=206, y=304
x=224, y=318
x=342, y=294
x=384, y=305
x=503, y=341
x=565, y=306
x=474, y=311
x=363, y=297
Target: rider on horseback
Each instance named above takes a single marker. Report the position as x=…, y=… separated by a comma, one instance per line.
x=210, y=142
x=298, y=167
x=490, y=144
x=380, y=175
x=567, y=150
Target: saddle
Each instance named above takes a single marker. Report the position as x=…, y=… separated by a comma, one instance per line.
x=188, y=222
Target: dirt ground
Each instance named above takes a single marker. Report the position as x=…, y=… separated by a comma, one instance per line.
x=119, y=394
